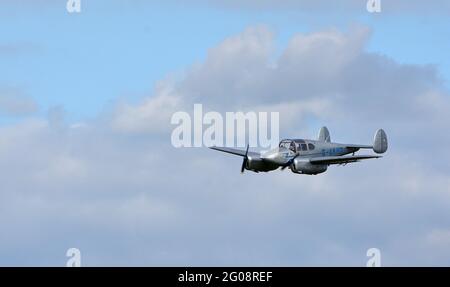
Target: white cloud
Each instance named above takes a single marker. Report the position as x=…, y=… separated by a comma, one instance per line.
x=14, y=102
x=118, y=190
x=328, y=67
x=153, y=115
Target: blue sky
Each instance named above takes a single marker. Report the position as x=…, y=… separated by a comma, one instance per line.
x=115, y=50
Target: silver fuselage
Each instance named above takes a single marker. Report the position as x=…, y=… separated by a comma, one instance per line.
x=308, y=156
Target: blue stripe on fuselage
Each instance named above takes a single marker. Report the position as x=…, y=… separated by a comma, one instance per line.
x=336, y=151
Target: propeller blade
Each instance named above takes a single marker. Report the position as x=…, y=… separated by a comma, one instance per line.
x=244, y=162
x=289, y=163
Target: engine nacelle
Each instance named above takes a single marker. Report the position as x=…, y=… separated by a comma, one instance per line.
x=303, y=166
x=257, y=165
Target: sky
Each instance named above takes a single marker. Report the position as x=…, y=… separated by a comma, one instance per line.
x=85, y=153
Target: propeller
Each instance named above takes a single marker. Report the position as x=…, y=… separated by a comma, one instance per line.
x=244, y=162
x=288, y=163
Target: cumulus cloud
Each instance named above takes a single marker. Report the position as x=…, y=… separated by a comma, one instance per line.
x=330, y=67
x=116, y=189
x=152, y=115
x=14, y=102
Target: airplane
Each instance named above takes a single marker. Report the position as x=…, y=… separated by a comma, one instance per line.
x=309, y=157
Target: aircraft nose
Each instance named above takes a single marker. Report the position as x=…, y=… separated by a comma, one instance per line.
x=270, y=156
x=276, y=156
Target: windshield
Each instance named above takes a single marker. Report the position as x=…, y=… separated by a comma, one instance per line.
x=288, y=144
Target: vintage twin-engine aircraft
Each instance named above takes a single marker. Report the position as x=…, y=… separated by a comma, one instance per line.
x=307, y=156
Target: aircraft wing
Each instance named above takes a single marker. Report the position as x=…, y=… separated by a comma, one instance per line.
x=235, y=151
x=340, y=159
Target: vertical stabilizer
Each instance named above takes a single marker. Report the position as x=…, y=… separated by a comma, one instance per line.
x=324, y=135
x=380, y=142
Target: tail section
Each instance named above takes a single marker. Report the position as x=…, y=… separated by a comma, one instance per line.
x=324, y=135
x=380, y=142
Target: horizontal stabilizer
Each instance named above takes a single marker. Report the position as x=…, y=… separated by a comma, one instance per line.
x=340, y=159
x=358, y=146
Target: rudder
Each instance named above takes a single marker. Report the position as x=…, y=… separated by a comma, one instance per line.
x=380, y=142
x=324, y=135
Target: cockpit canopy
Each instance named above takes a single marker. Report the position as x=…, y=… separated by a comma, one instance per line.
x=297, y=145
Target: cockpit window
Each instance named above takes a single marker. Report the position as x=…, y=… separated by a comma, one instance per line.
x=304, y=148
x=284, y=144
x=292, y=147
x=288, y=145
x=311, y=146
